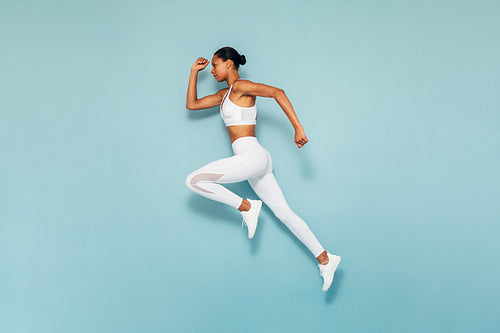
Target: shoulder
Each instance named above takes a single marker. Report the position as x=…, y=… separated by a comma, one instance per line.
x=241, y=83
x=243, y=86
x=247, y=87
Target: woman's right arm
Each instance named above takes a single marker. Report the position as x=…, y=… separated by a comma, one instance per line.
x=192, y=102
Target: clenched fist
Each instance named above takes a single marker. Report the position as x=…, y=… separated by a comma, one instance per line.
x=200, y=64
x=300, y=137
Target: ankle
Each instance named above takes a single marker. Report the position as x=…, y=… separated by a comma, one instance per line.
x=323, y=258
x=245, y=206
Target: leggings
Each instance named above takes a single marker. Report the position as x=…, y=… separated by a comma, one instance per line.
x=250, y=162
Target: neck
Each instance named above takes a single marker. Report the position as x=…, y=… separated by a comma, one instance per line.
x=232, y=78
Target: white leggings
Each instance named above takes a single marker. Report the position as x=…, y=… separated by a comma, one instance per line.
x=250, y=162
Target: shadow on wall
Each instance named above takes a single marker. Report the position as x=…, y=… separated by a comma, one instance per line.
x=217, y=212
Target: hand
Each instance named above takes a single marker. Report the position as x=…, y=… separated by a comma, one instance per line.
x=300, y=137
x=200, y=64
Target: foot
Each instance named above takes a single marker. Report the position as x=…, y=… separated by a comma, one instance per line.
x=250, y=217
x=327, y=271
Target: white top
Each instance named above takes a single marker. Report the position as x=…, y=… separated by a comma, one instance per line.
x=233, y=114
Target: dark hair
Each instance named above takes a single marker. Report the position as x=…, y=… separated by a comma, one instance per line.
x=227, y=52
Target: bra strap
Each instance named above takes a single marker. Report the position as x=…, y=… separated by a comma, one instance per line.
x=228, y=92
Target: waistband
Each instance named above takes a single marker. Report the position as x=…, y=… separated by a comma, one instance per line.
x=242, y=143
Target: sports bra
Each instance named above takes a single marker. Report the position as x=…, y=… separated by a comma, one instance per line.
x=233, y=114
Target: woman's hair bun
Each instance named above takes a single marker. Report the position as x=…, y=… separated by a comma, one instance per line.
x=228, y=52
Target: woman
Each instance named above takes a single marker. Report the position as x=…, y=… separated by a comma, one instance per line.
x=251, y=161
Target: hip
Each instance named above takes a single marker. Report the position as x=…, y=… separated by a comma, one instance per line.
x=252, y=152
x=248, y=145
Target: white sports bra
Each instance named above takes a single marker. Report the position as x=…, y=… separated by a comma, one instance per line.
x=233, y=114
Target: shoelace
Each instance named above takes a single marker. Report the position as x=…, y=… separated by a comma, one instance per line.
x=322, y=269
x=244, y=222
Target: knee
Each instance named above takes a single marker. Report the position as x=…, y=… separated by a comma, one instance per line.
x=196, y=178
x=282, y=212
x=189, y=180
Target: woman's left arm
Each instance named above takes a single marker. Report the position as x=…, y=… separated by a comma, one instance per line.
x=258, y=89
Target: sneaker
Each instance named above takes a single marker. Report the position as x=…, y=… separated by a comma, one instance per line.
x=327, y=271
x=250, y=217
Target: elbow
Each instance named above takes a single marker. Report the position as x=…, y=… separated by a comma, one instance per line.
x=278, y=92
x=192, y=105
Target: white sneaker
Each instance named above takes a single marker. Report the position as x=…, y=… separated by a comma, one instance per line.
x=250, y=218
x=327, y=271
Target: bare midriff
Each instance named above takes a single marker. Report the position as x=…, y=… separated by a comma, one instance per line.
x=238, y=131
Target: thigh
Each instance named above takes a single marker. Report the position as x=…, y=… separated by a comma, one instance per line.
x=267, y=188
x=236, y=168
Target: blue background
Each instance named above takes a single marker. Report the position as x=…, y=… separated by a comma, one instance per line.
x=400, y=102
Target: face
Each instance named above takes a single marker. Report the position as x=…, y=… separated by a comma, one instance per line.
x=219, y=69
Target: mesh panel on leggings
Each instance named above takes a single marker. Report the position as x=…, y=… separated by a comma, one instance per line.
x=211, y=177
